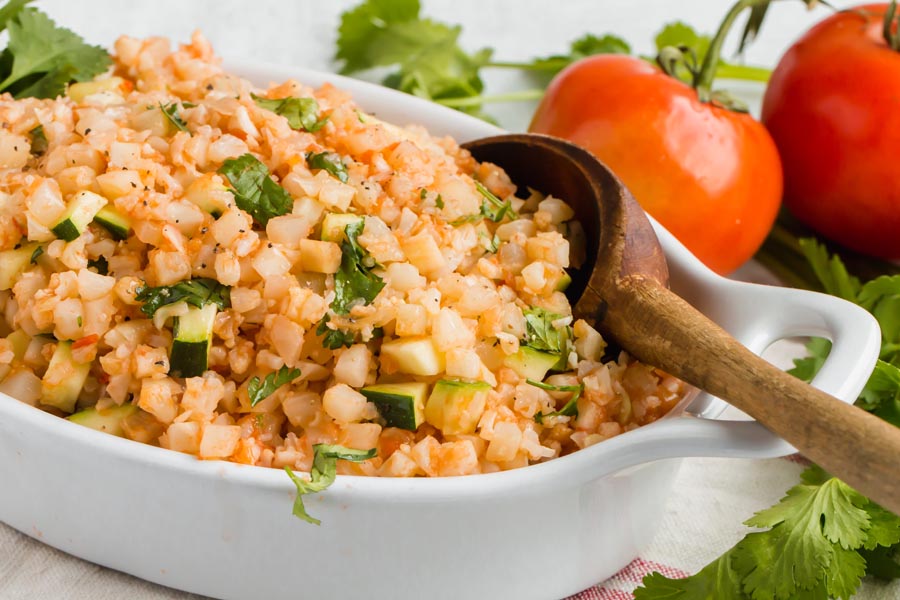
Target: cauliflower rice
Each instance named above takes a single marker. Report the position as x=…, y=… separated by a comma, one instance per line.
x=149, y=140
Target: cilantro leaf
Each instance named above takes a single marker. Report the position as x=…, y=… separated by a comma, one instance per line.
x=197, y=292
x=10, y=10
x=540, y=333
x=354, y=281
x=330, y=162
x=323, y=473
x=260, y=390
x=882, y=562
x=101, y=265
x=301, y=113
x=426, y=56
x=42, y=58
x=171, y=112
x=36, y=254
x=716, y=581
x=587, y=45
x=334, y=338
x=817, y=351
x=39, y=142
x=493, y=207
x=254, y=190
x=570, y=409
x=830, y=271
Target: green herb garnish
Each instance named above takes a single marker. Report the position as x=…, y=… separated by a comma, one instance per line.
x=101, y=265
x=41, y=58
x=323, y=473
x=570, y=409
x=260, y=390
x=36, y=254
x=196, y=292
x=540, y=333
x=330, y=162
x=301, y=113
x=354, y=282
x=334, y=338
x=39, y=142
x=439, y=202
x=173, y=116
x=254, y=190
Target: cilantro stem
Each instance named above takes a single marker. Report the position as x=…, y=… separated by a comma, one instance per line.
x=744, y=73
x=520, y=96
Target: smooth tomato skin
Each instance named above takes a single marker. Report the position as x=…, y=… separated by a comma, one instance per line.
x=833, y=108
x=711, y=176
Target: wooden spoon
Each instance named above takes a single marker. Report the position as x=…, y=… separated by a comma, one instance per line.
x=625, y=295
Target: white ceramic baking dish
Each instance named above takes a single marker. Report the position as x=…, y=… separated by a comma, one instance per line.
x=541, y=532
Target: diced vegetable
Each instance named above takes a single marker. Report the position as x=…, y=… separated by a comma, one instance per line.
x=107, y=421
x=335, y=224
x=532, y=364
x=64, y=379
x=455, y=407
x=81, y=210
x=13, y=263
x=414, y=355
x=117, y=224
x=193, y=338
x=399, y=404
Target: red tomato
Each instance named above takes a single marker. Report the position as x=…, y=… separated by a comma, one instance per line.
x=711, y=176
x=831, y=107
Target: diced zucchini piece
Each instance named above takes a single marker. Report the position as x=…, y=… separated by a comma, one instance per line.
x=81, y=210
x=414, y=355
x=19, y=341
x=13, y=263
x=564, y=282
x=107, y=421
x=334, y=224
x=532, y=364
x=399, y=404
x=209, y=194
x=117, y=224
x=455, y=406
x=193, y=338
x=79, y=91
x=64, y=379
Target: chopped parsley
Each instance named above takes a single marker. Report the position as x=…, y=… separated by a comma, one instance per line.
x=254, y=190
x=301, y=113
x=36, y=254
x=197, y=292
x=334, y=338
x=39, y=142
x=570, y=409
x=173, y=116
x=323, y=473
x=354, y=282
x=260, y=390
x=330, y=162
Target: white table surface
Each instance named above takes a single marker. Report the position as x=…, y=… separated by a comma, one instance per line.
x=302, y=32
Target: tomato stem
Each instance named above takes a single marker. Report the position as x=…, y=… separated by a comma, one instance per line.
x=703, y=79
x=890, y=32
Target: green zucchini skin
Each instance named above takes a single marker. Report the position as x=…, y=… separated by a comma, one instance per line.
x=401, y=405
x=193, y=338
x=118, y=225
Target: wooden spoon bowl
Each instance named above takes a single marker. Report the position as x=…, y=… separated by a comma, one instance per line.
x=622, y=289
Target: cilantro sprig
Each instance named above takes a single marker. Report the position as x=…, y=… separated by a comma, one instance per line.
x=173, y=115
x=333, y=338
x=302, y=114
x=569, y=409
x=323, y=473
x=196, y=292
x=41, y=58
x=823, y=537
x=354, y=282
x=330, y=162
x=254, y=189
x=540, y=333
x=258, y=390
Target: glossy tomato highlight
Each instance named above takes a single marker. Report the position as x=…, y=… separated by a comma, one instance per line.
x=710, y=175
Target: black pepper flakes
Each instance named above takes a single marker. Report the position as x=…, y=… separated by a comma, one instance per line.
x=87, y=131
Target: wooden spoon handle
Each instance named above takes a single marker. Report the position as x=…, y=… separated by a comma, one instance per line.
x=661, y=329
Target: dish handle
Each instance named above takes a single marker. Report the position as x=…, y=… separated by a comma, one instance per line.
x=772, y=314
